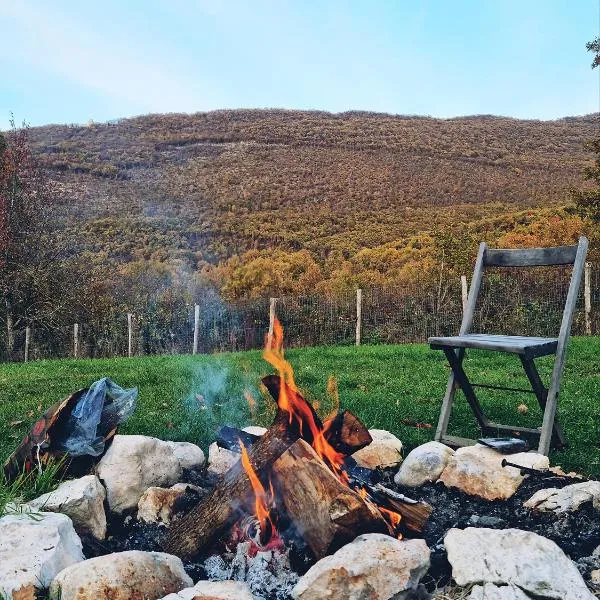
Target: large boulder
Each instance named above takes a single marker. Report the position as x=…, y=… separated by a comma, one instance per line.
x=131, y=575
x=133, y=463
x=423, y=464
x=478, y=471
x=34, y=548
x=384, y=451
x=567, y=499
x=157, y=504
x=514, y=557
x=82, y=500
x=489, y=591
x=374, y=566
x=214, y=590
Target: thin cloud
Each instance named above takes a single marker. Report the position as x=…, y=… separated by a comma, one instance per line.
x=120, y=70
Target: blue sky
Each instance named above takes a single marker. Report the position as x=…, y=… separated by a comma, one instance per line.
x=65, y=61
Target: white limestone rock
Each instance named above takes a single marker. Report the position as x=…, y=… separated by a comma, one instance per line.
x=34, y=550
x=478, y=471
x=567, y=499
x=489, y=591
x=128, y=575
x=133, y=463
x=514, y=557
x=220, y=460
x=384, y=451
x=214, y=590
x=423, y=464
x=373, y=566
x=157, y=504
x=80, y=499
x=189, y=455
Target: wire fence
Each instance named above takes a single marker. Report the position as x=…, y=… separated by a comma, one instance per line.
x=511, y=301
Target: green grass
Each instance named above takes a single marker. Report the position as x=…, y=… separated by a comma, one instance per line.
x=381, y=384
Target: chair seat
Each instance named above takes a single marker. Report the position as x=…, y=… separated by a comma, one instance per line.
x=527, y=346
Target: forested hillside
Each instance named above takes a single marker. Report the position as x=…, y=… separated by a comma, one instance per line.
x=153, y=213
x=216, y=184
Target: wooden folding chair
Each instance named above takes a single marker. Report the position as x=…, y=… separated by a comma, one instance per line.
x=526, y=348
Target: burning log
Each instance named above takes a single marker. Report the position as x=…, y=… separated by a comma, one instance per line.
x=414, y=512
x=196, y=530
x=345, y=433
x=325, y=511
x=309, y=456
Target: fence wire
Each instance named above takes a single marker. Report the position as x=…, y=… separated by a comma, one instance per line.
x=511, y=301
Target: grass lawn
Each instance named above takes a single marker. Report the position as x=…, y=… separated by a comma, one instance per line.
x=383, y=385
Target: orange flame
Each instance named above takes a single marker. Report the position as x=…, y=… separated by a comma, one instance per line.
x=291, y=402
x=393, y=520
x=262, y=500
x=300, y=412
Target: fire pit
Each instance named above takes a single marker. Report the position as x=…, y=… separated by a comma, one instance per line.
x=299, y=514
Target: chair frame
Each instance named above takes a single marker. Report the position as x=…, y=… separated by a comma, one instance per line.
x=550, y=432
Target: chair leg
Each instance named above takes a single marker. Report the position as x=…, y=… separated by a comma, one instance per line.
x=442, y=426
x=465, y=386
x=541, y=393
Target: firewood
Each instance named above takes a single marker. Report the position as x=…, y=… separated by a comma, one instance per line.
x=326, y=512
x=414, y=512
x=346, y=433
x=191, y=534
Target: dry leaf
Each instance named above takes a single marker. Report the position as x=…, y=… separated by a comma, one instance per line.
x=522, y=408
x=24, y=593
x=15, y=423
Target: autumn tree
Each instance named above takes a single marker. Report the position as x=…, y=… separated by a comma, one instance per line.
x=587, y=201
x=33, y=279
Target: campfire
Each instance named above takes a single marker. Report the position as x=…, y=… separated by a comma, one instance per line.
x=311, y=507
x=299, y=472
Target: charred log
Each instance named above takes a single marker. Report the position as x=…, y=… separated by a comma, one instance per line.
x=191, y=534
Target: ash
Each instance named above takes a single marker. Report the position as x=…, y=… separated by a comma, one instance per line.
x=268, y=574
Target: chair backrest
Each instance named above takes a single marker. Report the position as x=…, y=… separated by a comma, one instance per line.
x=531, y=257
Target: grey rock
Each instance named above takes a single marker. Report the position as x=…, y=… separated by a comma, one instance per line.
x=121, y=576
x=384, y=451
x=489, y=591
x=423, y=464
x=478, y=471
x=374, y=566
x=514, y=557
x=214, y=590
x=567, y=499
x=80, y=499
x=34, y=550
x=133, y=463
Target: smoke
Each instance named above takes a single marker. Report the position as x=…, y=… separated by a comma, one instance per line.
x=217, y=396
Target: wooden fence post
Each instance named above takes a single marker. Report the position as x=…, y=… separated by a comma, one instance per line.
x=129, y=335
x=272, y=303
x=27, y=342
x=196, y=327
x=358, y=315
x=587, y=297
x=76, y=340
x=464, y=292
